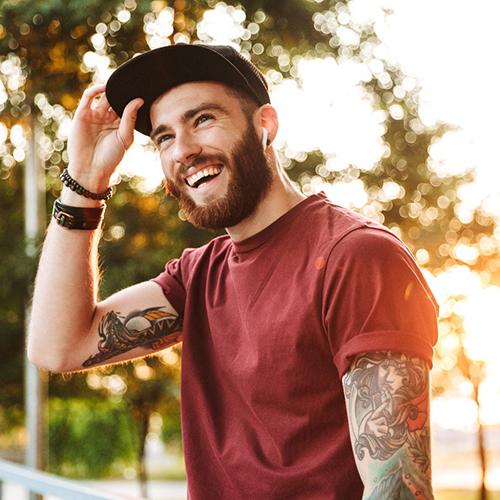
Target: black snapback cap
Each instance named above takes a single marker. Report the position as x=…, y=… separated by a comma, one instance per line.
x=153, y=73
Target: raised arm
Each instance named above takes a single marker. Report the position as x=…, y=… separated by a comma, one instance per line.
x=387, y=399
x=70, y=329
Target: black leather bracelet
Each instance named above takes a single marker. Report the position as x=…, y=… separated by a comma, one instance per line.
x=78, y=217
x=69, y=182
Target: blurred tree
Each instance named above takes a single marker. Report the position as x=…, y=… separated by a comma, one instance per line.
x=154, y=389
x=101, y=430
x=16, y=273
x=51, y=50
x=135, y=247
x=140, y=389
x=454, y=366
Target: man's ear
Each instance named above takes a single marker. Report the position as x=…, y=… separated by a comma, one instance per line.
x=267, y=118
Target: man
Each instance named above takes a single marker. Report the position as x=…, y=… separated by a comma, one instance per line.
x=298, y=297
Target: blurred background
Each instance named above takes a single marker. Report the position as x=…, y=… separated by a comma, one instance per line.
x=389, y=107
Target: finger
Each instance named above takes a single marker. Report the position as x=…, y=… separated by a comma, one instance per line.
x=103, y=103
x=90, y=94
x=127, y=123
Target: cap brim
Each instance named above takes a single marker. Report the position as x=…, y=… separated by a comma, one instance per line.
x=153, y=73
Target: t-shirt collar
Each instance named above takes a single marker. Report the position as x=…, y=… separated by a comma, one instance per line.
x=276, y=227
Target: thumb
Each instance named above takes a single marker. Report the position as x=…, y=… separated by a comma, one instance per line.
x=127, y=122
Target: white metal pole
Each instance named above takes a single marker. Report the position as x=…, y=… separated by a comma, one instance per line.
x=36, y=381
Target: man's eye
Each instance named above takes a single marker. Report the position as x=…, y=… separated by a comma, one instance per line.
x=203, y=118
x=163, y=138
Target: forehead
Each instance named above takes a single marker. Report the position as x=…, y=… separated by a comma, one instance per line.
x=188, y=95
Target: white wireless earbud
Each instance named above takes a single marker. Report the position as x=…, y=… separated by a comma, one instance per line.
x=265, y=135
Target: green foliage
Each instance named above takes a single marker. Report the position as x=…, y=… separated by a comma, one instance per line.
x=88, y=437
x=146, y=387
x=16, y=277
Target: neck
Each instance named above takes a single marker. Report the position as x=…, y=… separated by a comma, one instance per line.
x=281, y=197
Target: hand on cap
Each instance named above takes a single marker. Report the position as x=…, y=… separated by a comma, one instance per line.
x=99, y=138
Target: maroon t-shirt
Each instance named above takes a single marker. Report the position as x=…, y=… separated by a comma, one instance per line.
x=270, y=326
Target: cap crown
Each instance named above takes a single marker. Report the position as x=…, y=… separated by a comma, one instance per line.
x=153, y=73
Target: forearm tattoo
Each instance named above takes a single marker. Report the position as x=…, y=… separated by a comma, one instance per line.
x=152, y=328
x=387, y=396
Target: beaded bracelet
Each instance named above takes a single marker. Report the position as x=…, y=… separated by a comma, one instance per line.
x=69, y=182
x=78, y=217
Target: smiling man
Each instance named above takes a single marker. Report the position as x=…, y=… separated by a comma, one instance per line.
x=307, y=330
x=218, y=181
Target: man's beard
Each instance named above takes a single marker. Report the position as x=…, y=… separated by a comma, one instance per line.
x=250, y=178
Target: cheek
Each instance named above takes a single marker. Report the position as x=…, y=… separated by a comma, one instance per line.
x=217, y=139
x=167, y=167
x=398, y=381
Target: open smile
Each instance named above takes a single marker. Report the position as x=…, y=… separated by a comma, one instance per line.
x=203, y=176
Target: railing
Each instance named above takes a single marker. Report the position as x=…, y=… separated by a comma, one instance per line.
x=44, y=483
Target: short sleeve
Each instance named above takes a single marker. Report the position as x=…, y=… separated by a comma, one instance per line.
x=376, y=299
x=173, y=288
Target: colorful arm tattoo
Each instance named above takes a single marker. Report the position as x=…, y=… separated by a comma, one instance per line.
x=387, y=396
x=151, y=328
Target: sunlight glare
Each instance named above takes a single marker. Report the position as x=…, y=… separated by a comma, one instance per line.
x=454, y=413
x=463, y=91
x=346, y=194
x=222, y=25
x=142, y=163
x=452, y=154
x=330, y=112
x=482, y=323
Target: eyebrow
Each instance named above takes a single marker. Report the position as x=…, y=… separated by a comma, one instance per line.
x=188, y=115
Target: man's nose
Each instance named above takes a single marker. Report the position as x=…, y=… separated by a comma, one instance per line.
x=187, y=148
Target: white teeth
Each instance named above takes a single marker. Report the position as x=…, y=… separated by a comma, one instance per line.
x=193, y=179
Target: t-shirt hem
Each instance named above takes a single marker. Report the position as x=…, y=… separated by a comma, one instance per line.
x=178, y=305
x=389, y=340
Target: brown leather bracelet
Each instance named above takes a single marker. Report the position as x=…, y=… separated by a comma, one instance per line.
x=78, y=217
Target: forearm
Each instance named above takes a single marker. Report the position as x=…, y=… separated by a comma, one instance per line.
x=65, y=293
x=396, y=478
x=387, y=399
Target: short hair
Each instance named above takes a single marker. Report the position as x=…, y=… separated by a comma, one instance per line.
x=247, y=100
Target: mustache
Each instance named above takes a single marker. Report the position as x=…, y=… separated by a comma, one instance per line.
x=204, y=159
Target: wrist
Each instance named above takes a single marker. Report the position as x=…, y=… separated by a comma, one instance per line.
x=69, y=197
x=73, y=185
x=83, y=218
x=96, y=183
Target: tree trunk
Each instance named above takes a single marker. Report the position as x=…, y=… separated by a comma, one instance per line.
x=36, y=381
x=483, y=494
x=482, y=455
